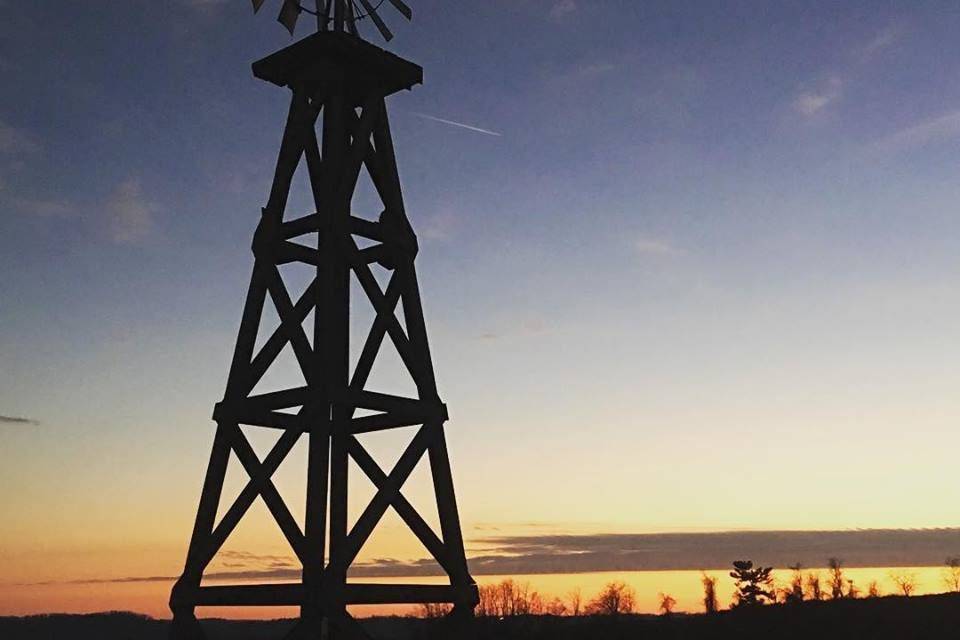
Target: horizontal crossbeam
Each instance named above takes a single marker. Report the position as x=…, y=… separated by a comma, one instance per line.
x=314, y=222
x=278, y=595
x=258, y=417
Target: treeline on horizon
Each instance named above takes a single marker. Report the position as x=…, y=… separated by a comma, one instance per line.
x=754, y=586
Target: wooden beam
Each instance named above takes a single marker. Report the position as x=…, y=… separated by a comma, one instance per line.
x=313, y=222
x=249, y=595
x=245, y=498
x=287, y=252
x=378, y=331
x=300, y=118
x=383, y=422
x=274, y=595
x=368, y=520
x=404, y=509
x=370, y=287
x=366, y=229
x=378, y=253
x=375, y=401
x=300, y=226
x=256, y=417
x=207, y=511
x=275, y=343
x=248, y=458
x=291, y=323
x=284, y=399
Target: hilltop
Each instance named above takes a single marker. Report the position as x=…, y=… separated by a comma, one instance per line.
x=893, y=618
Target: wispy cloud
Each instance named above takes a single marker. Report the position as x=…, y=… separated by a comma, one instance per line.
x=562, y=8
x=813, y=101
x=654, y=247
x=439, y=226
x=935, y=129
x=129, y=213
x=884, y=39
x=810, y=103
x=19, y=420
x=452, y=123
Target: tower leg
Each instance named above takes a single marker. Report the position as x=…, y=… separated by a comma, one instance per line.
x=185, y=626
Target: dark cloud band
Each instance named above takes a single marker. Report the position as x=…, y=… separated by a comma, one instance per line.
x=551, y=554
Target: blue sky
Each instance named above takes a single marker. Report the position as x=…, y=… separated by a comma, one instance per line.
x=711, y=246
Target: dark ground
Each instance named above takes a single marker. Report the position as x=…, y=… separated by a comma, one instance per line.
x=874, y=619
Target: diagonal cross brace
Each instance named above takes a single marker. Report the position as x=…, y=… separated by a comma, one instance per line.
x=371, y=347
x=253, y=488
x=385, y=496
x=400, y=504
x=291, y=323
x=274, y=345
x=268, y=491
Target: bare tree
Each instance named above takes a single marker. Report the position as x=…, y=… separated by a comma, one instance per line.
x=794, y=592
x=951, y=574
x=852, y=590
x=575, y=600
x=709, y=593
x=667, y=603
x=508, y=598
x=556, y=607
x=814, y=590
x=873, y=589
x=433, y=609
x=754, y=585
x=906, y=582
x=836, y=577
x=616, y=598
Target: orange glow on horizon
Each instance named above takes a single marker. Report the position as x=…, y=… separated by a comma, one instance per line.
x=150, y=598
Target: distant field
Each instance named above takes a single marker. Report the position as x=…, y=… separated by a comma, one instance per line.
x=879, y=618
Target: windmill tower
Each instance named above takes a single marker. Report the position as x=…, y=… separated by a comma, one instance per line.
x=337, y=125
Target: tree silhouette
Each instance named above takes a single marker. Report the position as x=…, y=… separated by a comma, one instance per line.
x=951, y=574
x=852, y=590
x=709, y=593
x=814, y=591
x=616, y=598
x=906, y=582
x=794, y=593
x=667, y=603
x=575, y=600
x=433, y=609
x=754, y=585
x=873, y=589
x=508, y=598
x=836, y=577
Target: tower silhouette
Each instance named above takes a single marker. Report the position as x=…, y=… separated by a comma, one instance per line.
x=339, y=84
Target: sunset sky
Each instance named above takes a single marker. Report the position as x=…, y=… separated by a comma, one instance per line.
x=687, y=267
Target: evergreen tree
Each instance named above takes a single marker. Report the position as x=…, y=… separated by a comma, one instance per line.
x=754, y=585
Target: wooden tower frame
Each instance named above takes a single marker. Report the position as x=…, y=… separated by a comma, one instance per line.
x=341, y=81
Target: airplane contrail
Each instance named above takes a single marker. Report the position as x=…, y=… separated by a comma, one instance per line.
x=456, y=124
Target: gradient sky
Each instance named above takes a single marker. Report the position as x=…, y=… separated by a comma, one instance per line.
x=695, y=266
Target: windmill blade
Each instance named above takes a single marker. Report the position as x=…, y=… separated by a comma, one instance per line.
x=351, y=18
x=257, y=4
x=289, y=13
x=381, y=27
x=402, y=7
x=327, y=4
